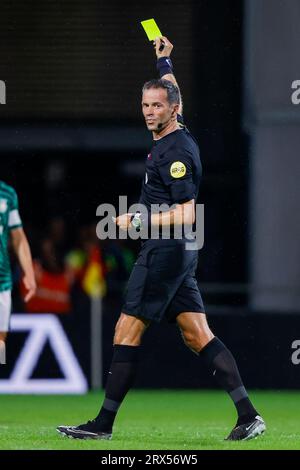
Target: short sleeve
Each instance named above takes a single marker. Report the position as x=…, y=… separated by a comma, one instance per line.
x=14, y=219
x=176, y=172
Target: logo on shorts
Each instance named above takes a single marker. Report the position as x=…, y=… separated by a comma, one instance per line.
x=3, y=205
x=178, y=169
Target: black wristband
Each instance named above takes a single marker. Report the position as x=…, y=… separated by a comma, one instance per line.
x=164, y=65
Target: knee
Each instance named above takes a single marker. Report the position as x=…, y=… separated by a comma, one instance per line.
x=125, y=339
x=192, y=341
x=127, y=336
x=121, y=338
x=196, y=340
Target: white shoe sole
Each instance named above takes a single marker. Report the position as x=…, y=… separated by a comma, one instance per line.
x=260, y=429
x=82, y=438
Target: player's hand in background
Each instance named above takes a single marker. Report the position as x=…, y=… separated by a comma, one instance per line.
x=30, y=285
x=166, y=52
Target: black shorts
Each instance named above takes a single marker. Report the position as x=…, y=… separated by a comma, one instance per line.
x=162, y=282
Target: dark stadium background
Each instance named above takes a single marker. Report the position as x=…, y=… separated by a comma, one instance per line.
x=86, y=71
x=72, y=137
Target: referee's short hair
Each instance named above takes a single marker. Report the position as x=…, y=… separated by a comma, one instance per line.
x=172, y=90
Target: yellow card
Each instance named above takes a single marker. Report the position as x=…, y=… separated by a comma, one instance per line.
x=151, y=29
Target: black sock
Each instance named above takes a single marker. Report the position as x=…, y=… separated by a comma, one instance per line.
x=222, y=364
x=120, y=379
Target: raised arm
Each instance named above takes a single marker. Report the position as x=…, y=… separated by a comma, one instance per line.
x=164, y=63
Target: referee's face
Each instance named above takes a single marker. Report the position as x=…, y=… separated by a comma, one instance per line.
x=157, y=111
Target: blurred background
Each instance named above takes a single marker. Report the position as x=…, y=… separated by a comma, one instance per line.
x=72, y=137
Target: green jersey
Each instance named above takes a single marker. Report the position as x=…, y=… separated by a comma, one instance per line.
x=9, y=219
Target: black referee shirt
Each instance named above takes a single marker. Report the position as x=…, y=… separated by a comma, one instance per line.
x=173, y=170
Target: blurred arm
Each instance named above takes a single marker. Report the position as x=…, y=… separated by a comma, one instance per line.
x=23, y=253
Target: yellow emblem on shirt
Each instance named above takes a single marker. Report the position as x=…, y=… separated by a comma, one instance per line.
x=177, y=170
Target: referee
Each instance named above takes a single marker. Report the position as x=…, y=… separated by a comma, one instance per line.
x=163, y=283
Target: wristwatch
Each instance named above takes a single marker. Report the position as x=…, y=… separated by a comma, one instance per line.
x=136, y=221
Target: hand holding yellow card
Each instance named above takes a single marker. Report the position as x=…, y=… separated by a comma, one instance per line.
x=151, y=29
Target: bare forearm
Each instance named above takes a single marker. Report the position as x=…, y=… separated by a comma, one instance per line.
x=181, y=215
x=23, y=253
x=165, y=66
x=171, y=78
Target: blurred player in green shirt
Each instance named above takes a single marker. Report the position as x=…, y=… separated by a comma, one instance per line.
x=11, y=227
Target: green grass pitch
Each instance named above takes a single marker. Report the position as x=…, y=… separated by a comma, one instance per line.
x=160, y=419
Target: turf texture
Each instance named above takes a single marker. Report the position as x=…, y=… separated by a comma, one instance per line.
x=158, y=419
